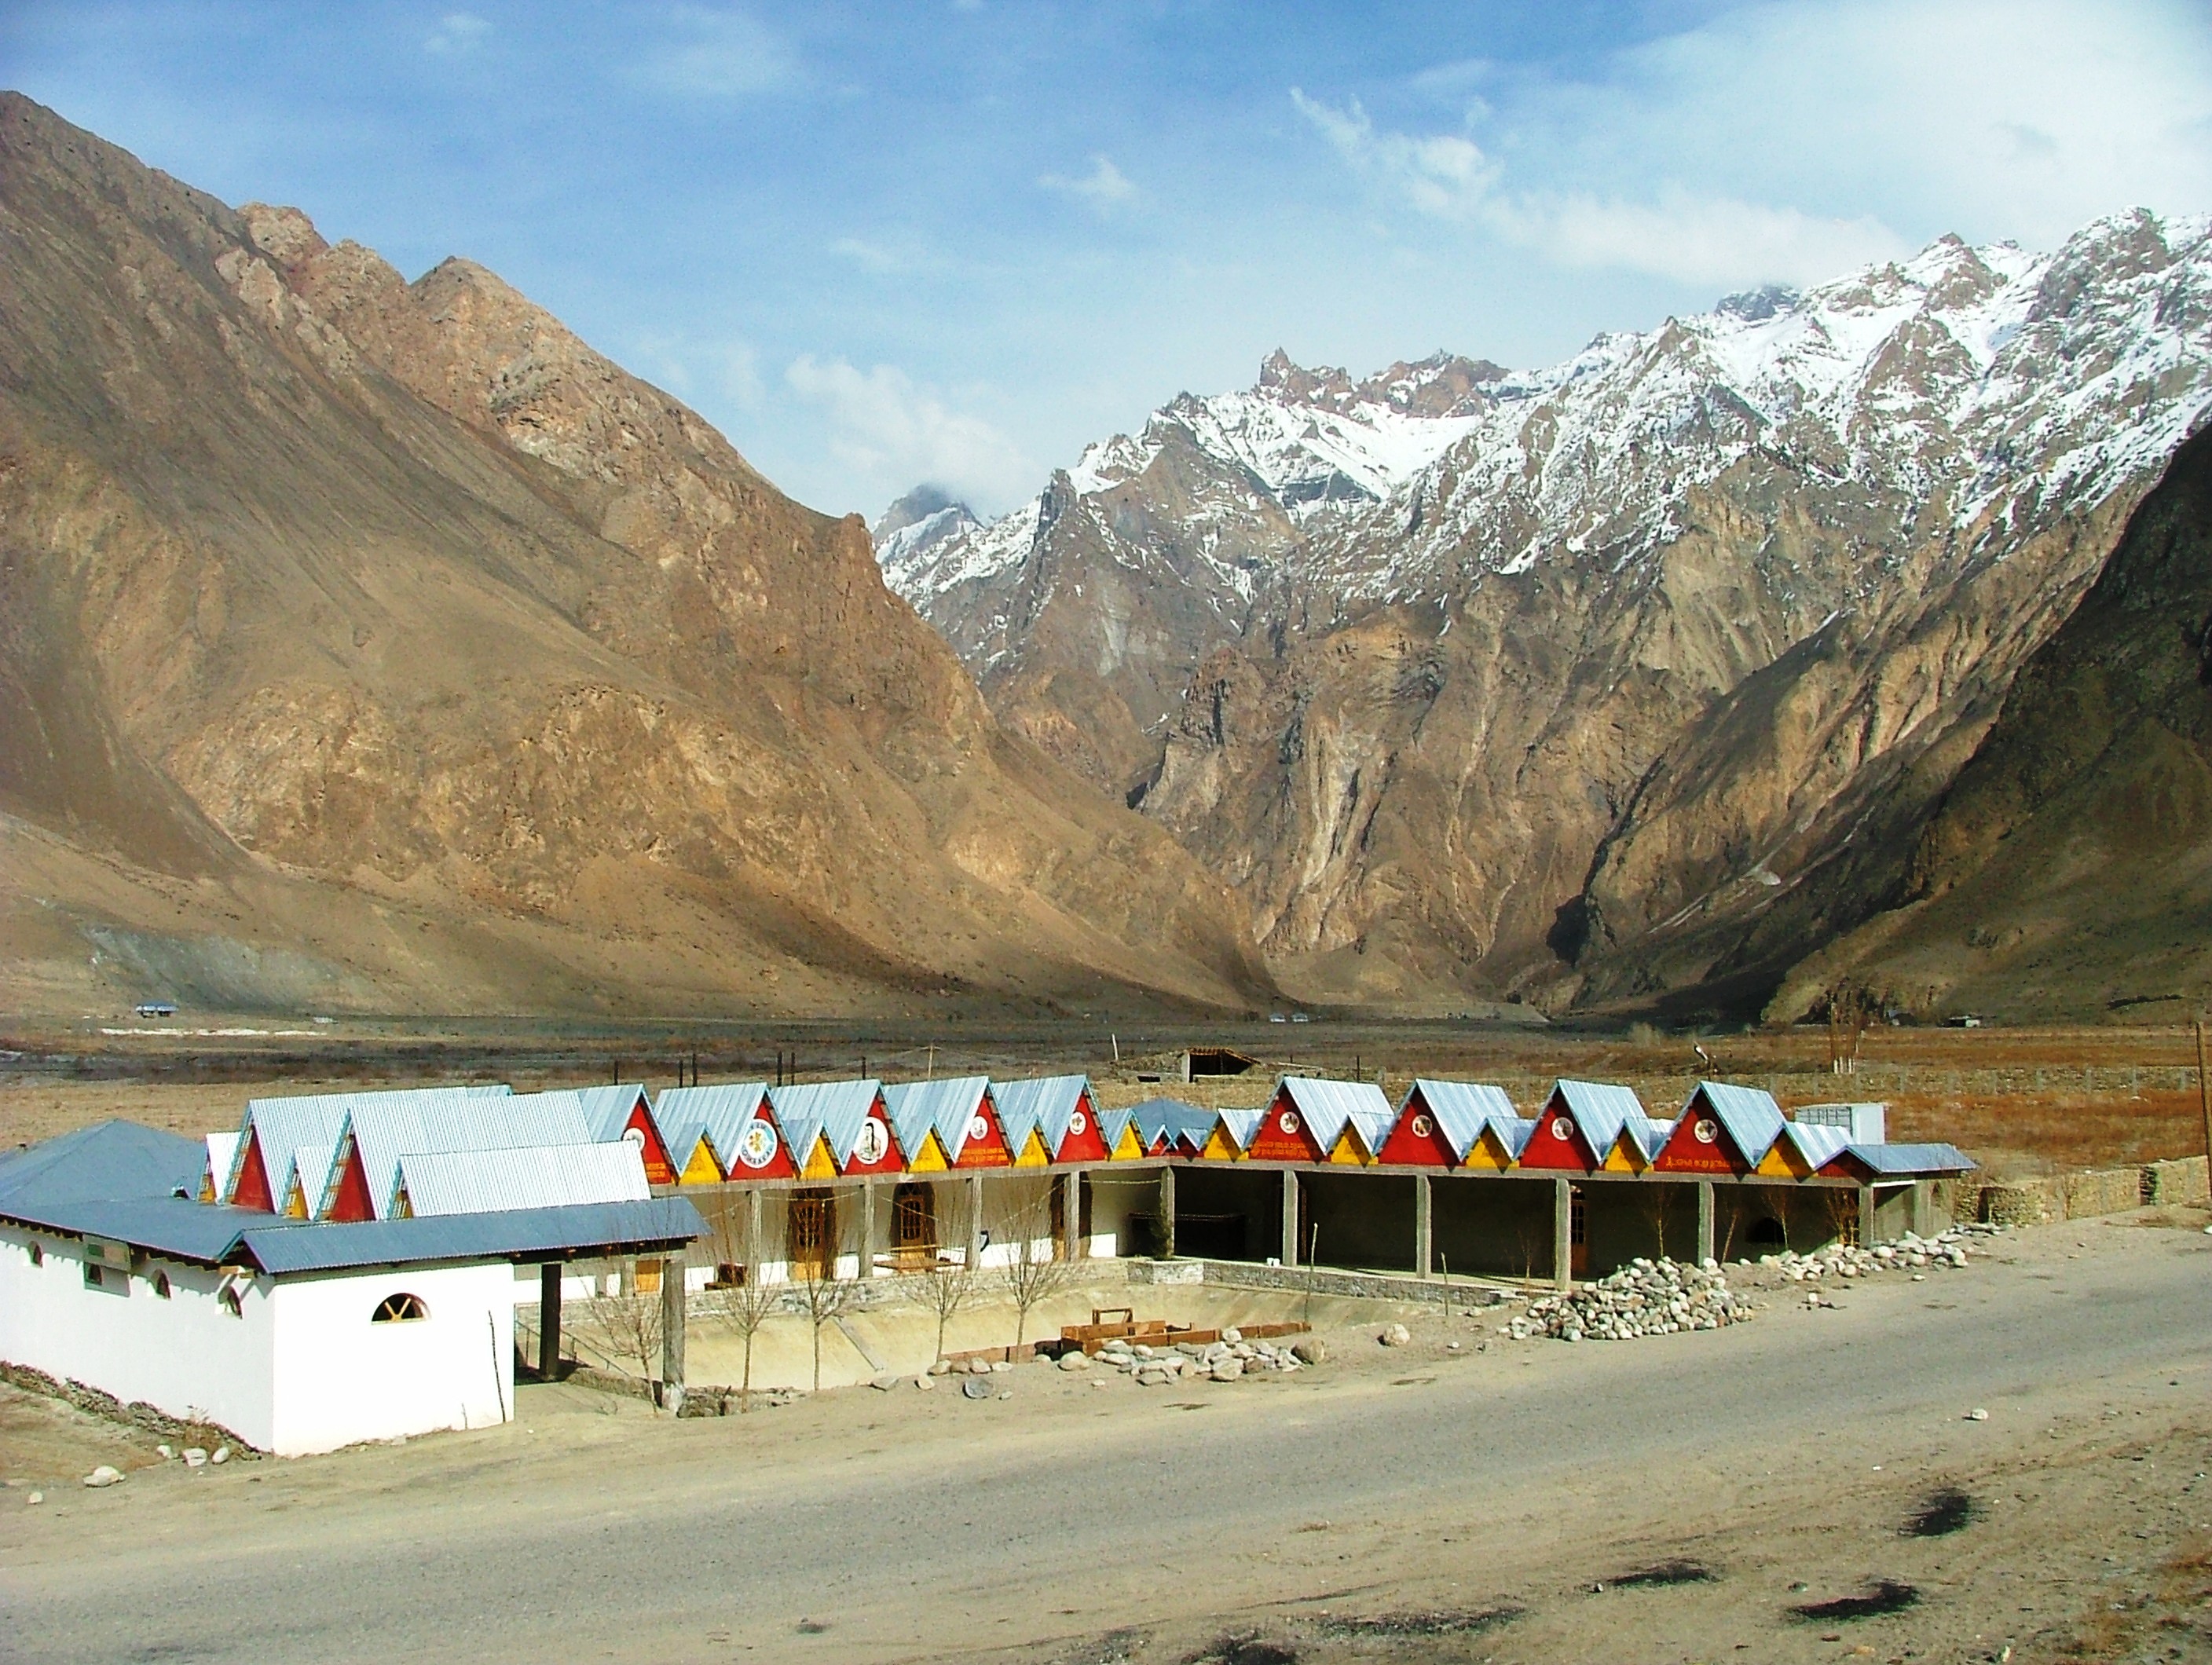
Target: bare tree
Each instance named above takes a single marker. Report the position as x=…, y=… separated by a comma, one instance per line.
x=1656, y=1199
x=631, y=1324
x=823, y=1296
x=948, y=1283
x=1036, y=1271
x=1852, y=1008
x=744, y=1303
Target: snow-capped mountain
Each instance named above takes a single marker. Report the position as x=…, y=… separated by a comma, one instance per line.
x=1475, y=679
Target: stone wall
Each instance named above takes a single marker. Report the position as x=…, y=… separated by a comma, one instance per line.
x=2099, y=1191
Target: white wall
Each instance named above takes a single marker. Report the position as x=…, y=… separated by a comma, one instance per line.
x=341, y=1378
x=187, y=1356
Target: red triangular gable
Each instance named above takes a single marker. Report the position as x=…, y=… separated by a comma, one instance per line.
x=1556, y=1142
x=252, y=1188
x=1416, y=1139
x=352, y=1202
x=763, y=1152
x=1082, y=1142
x=1700, y=1144
x=659, y=1170
x=1282, y=1134
x=889, y=1159
x=986, y=1146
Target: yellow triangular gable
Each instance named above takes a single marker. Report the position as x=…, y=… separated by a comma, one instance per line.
x=1489, y=1153
x=1783, y=1162
x=703, y=1167
x=402, y=1208
x=1626, y=1157
x=1219, y=1147
x=820, y=1165
x=1034, y=1154
x=1347, y=1150
x=930, y=1158
x=296, y=1199
x=1129, y=1147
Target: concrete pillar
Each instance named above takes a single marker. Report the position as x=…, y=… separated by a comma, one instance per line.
x=1563, y=1233
x=1923, y=1208
x=1866, y=1216
x=671, y=1331
x=975, y=1221
x=1074, y=1246
x=1424, y=1231
x=1704, y=1221
x=867, y=1256
x=1290, y=1256
x=1167, y=1208
x=756, y=1234
x=548, y=1319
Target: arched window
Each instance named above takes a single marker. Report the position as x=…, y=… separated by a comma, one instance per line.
x=1768, y=1234
x=37, y=1256
x=161, y=1285
x=400, y=1310
x=232, y=1302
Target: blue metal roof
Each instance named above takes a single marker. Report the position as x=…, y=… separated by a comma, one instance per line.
x=384, y=1129
x=1752, y=1117
x=947, y=1106
x=608, y=1108
x=284, y=1123
x=1173, y=1118
x=1330, y=1106
x=536, y=1177
x=835, y=1110
x=1045, y=1103
x=1461, y=1109
x=1240, y=1124
x=1815, y=1144
x=1601, y=1110
x=521, y=1235
x=723, y=1111
x=107, y=1162
x=1916, y=1160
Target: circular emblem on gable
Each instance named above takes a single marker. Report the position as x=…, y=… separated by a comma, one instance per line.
x=633, y=1136
x=1078, y=1124
x=1563, y=1127
x=1288, y=1121
x=979, y=1126
x=1706, y=1130
x=1422, y=1126
x=757, y=1148
x=875, y=1143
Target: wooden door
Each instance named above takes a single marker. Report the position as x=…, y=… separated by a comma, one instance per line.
x=914, y=1225
x=812, y=1234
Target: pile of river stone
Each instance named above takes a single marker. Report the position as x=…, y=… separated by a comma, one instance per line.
x=1224, y=1360
x=1908, y=1253
x=1645, y=1298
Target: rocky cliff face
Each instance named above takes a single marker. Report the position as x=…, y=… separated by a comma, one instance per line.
x=390, y=621
x=1641, y=682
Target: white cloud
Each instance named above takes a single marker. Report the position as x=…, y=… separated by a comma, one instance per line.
x=870, y=257
x=1103, y=187
x=1787, y=140
x=725, y=371
x=890, y=433
x=457, y=32
x=708, y=52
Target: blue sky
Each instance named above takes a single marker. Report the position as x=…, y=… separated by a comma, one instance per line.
x=882, y=244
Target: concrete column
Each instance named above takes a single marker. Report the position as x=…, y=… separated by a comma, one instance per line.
x=1563, y=1233
x=975, y=1221
x=1866, y=1216
x=1704, y=1221
x=1291, y=1245
x=867, y=1255
x=1167, y=1207
x=671, y=1331
x=757, y=1247
x=1423, y=1228
x=1074, y=1245
x=548, y=1319
x=1923, y=1208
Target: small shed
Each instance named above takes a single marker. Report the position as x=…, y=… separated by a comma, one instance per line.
x=1722, y=1129
x=1861, y=1124
x=1216, y=1061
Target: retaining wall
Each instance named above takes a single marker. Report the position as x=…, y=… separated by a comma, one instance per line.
x=2100, y=1191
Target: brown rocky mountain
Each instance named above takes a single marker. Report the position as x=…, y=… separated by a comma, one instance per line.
x=376, y=644
x=2070, y=865
x=1625, y=682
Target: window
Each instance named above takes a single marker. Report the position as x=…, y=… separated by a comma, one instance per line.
x=94, y=1277
x=400, y=1310
x=232, y=1302
x=161, y=1285
x=37, y=1256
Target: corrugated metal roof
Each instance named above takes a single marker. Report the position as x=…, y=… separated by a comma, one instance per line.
x=1240, y=1123
x=1601, y=1110
x=1044, y=1103
x=1462, y=1110
x=1913, y=1159
x=1112, y=1124
x=723, y=1111
x=384, y=1131
x=536, y=1177
x=948, y=1106
x=107, y=1162
x=284, y=1123
x=1171, y=1117
x=1514, y=1132
x=835, y=1110
x=1752, y=1117
x=1327, y=1106
x=222, y=1153
x=683, y=1138
x=311, y=1166
x=520, y=1235
x=608, y=1108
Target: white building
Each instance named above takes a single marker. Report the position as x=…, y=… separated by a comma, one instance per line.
x=292, y=1336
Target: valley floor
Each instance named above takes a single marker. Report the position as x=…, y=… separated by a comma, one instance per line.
x=1493, y=1500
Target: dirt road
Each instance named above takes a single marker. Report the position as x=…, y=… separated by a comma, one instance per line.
x=1412, y=1503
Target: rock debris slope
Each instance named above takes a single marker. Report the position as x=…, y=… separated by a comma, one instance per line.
x=378, y=643
x=1626, y=681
